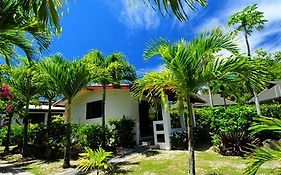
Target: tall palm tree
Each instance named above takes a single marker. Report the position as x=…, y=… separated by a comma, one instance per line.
x=113, y=69
x=246, y=21
x=188, y=66
x=24, y=81
x=68, y=78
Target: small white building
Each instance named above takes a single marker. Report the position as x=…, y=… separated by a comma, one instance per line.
x=151, y=123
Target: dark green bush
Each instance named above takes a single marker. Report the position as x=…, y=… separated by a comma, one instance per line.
x=224, y=124
x=179, y=140
x=123, y=131
x=15, y=136
x=92, y=135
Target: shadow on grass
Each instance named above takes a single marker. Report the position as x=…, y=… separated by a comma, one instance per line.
x=117, y=168
x=150, y=153
x=203, y=146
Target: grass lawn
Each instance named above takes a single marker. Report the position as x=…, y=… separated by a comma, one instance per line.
x=175, y=163
x=156, y=162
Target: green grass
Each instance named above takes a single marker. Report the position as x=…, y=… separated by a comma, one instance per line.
x=175, y=162
x=157, y=163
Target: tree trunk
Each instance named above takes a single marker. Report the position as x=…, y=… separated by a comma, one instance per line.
x=7, y=144
x=25, y=131
x=247, y=42
x=103, y=104
x=49, y=114
x=210, y=96
x=257, y=102
x=191, y=154
x=49, y=120
x=224, y=100
x=67, y=119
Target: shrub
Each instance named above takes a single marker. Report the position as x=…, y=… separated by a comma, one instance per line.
x=123, y=131
x=15, y=135
x=179, y=140
x=225, y=125
x=233, y=144
x=92, y=135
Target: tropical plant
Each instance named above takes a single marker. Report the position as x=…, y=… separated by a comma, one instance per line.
x=47, y=91
x=113, y=69
x=264, y=154
x=123, y=131
x=97, y=160
x=188, y=66
x=18, y=29
x=68, y=78
x=24, y=81
x=177, y=7
x=248, y=20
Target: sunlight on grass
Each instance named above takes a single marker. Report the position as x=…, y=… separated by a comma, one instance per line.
x=175, y=162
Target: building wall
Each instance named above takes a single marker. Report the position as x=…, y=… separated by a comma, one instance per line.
x=118, y=103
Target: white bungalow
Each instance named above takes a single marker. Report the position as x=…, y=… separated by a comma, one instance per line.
x=150, y=122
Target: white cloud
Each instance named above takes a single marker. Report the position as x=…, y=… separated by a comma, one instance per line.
x=138, y=15
x=259, y=39
x=142, y=71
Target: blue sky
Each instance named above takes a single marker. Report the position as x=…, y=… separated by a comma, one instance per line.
x=116, y=25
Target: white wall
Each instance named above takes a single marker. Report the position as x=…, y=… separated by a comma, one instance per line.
x=118, y=103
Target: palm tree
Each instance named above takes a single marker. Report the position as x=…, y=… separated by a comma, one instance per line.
x=18, y=29
x=68, y=78
x=264, y=154
x=24, y=81
x=188, y=66
x=113, y=69
x=47, y=91
x=177, y=7
x=248, y=20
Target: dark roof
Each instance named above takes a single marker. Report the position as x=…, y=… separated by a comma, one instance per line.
x=217, y=100
x=273, y=93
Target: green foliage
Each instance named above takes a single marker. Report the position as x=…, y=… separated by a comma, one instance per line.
x=18, y=28
x=229, y=125
x=261, y=155
x=248, y=19
x=97, y=160
x=177, y=7
x=179, y=140
x=232, y=144
x=123, y=131
x=15, y=137
x=272, y=62
x=265, y=154
x=92, y=135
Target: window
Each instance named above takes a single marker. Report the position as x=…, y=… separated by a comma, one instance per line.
x=94, y=109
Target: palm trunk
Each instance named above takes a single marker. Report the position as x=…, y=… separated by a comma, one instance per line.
x=191, y=154
x=7, y=144
x=247, y=42
x=49, y=114
x=67, y=119
x=210, y=96
x=224, y=100
x=25, y=131
x=49, y=117
x=103, y=104
x=257, y=102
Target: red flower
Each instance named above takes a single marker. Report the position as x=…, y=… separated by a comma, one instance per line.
x=9, y=109
x=5, y=92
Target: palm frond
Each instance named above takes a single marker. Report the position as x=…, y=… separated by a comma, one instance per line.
x=177, y=7
x=261, y=156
